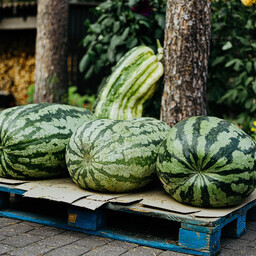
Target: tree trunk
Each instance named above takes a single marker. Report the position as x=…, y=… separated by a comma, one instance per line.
x=186, y=51
x=51, y=81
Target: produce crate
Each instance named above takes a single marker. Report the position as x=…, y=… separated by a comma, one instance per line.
x=148, y=217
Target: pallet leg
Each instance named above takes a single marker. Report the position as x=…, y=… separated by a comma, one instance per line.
x=4, y=199
x=236, y=228
x=200, y=239
x=86, y=219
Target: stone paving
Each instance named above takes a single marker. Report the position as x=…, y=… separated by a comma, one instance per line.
x=21, y=238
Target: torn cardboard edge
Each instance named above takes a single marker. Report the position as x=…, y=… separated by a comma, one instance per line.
x=11, y=181
x=66, y=191
x=163, y=201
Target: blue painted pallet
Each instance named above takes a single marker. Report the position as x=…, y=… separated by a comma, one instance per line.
x=132, y=223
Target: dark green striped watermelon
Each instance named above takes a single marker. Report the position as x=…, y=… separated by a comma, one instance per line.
x=33, y=139
x=207, y=162
x=115, y=155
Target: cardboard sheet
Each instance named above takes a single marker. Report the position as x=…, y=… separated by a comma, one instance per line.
x=159, y=199
x=59, y=194
x=89, y=204
x=224, y=211
x=12, y=181
x=65, y=190
x=60, y=182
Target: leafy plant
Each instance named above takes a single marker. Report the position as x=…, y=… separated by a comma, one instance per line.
x=232, y=64
x=74, y=98
x=121, y=25
x=30, y=94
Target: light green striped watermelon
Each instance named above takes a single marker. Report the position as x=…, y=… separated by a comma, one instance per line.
x=115, y=155
x=207, y=162
x=33, y=139
x=134, y=80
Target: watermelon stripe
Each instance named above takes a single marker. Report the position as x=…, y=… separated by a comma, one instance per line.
x=34, y=137
x=131, y=57
x=207, y=161
x=117, y=155
x=131, y=83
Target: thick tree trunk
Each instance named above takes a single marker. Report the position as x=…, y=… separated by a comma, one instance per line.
x=51, y=80
x=186, y=51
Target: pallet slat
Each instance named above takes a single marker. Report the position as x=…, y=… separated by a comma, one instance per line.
x=193, y=235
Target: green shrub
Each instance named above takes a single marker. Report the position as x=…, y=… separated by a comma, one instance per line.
x=231, y=86
x=74, y=98
x=121, y=25
x=232, y=63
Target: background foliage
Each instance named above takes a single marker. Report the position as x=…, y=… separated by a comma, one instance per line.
x=232, y=64
x=121, y=25
x=231, y=88
x=74, y=98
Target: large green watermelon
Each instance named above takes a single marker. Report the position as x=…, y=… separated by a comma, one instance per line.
x=33, y=139
x=115, y=155
x=207, y=162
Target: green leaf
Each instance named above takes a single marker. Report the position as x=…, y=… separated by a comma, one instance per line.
x=88, y=39
x=249, y=67
x=115, y=40
x=89, y=72
x=132, y=2
x=99, y=48
x=111, y=55
x=248, y=80
x=243, y=40
x=106, y=39
x=158, y=33
x=230, y=94
x=243, y=95
x=249, y=24
x=108, y=22
x=125, y=34
x=218, y=60
x=105, y=5
x=232, y=62
x=119, y=55
x=253, y=45
x=226, y=46
x=248, y=104
x=131, y=42
x=254, y=86
x=98, y=66
x=95, y=28
x=84, y=62
x=92, y=55
x=116, y=26
x=160, y=20
x=145, y=23
x=238, y=64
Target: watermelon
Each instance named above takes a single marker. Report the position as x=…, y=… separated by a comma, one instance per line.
x=133, y=81
x=207, y=162
x=33, y=139
x=115, y=155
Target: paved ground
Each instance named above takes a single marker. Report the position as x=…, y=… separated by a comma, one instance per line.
x=30, y=239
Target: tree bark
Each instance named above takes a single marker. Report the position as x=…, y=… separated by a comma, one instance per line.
x=51, y=81
x=186, y=52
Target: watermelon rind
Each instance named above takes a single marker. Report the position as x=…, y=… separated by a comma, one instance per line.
x=133, y=81
x=207, y=162
x=33, y=139
x=115, y=155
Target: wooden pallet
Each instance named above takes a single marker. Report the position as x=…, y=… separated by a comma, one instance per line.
x=134, y=223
